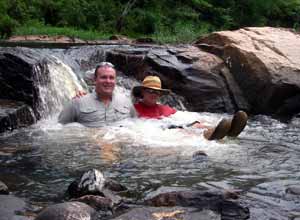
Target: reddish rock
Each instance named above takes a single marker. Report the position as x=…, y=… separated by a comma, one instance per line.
x=97, y=202
x=266, y=64
x=120, y=38
x=46, y=38
x=174, y=213
x=215, y=201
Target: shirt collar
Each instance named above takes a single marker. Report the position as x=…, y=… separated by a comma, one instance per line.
x=95, y=96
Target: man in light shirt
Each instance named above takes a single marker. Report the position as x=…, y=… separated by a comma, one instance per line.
x=102, y=106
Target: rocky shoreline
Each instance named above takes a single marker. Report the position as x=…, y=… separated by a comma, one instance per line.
x=92, y=196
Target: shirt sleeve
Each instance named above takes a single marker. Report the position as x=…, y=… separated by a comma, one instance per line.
x=68, y=114
x=167, y=110
x=133, y=113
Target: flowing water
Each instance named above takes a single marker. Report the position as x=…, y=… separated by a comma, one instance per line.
x=38, y=163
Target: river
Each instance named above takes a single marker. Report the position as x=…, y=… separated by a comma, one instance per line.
x=39, y=162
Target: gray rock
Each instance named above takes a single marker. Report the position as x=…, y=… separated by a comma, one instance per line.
x=199, y=155
x=293, y=190
x=14, y=114
x=3, y=189
x=67, y=211
x=11, y=205
x=114, y=185
x=90, y=183
x=200, y=199
x=201, y=78
x=21, y=70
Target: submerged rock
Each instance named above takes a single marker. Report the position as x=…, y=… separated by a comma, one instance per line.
x=114, y=185
x=200, y=199
x=199, y=155
x=295, y=190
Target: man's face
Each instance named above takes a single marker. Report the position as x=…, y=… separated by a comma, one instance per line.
x=105, y=81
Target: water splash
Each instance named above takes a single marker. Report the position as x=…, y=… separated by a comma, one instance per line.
x=61, y=87
x=155, y=134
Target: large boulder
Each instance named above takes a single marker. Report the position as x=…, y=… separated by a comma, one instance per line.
x=200, y=77
x=265, y=62
x=22, y=70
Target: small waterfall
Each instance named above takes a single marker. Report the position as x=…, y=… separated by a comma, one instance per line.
x=62, y=84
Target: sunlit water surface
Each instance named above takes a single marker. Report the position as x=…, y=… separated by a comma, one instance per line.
x=39, y=163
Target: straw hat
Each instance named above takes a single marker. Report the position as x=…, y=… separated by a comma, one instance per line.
x=150, y=82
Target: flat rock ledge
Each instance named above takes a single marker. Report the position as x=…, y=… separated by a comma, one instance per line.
x=14, y=114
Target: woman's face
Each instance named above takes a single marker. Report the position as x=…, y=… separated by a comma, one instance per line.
x=150, y=96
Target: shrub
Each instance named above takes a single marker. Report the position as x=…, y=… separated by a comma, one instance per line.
x=7, y=26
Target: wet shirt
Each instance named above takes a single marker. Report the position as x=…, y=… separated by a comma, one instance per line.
x=157, y=111
x=91, y=112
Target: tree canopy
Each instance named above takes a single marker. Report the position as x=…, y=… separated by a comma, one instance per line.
x=148, y=17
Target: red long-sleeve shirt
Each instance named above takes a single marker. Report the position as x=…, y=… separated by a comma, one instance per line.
x=157, y=111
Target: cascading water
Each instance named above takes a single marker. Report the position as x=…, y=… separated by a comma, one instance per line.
x=40, y=162
x=62, y=86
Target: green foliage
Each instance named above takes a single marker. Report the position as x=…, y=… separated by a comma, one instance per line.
x=180, y=20
x=7, y=26
x=18, y=10
x=35, y=28
x=181, y=32
x=140, y=22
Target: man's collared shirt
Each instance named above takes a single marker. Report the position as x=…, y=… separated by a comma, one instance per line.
x=90, y=111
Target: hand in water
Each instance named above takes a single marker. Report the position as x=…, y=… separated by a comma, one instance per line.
x=79, y=94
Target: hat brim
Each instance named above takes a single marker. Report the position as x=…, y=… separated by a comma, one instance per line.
x=137, y=91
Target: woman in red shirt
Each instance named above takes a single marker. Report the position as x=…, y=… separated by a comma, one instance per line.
x=147, y=107
x=149, y=94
